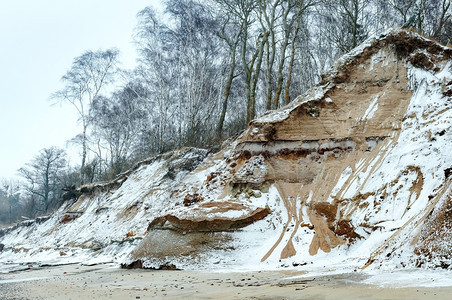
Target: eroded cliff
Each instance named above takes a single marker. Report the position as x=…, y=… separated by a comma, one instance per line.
x=354, y=173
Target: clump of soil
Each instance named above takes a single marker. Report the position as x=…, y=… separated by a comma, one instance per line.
x=420, y=60
x=448, y=172
x=190, y=199
x=327, y=210
x=68, y=219
x=139, y=264
x=345, y=229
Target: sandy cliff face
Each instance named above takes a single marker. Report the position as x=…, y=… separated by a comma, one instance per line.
x=354, y=173
x=363, y=154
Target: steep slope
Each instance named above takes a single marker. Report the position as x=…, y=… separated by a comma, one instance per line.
x=355, y=173
x=104, y=221
x=368, y=149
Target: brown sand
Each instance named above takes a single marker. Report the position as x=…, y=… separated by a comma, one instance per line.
x=108, y=282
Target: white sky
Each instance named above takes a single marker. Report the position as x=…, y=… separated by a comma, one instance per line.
x=38, y=42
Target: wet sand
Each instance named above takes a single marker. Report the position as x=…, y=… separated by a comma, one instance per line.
x=110, y=282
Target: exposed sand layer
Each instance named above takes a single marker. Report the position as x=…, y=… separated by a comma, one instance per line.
x=109, y=282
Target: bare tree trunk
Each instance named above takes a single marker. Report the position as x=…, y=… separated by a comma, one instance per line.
x=287, y=28
x=270, y=62
x=268, y=26
x=229, y=79
x=291, y=63
x=280, y=80
x=248, y=75
x=227, y=91
x=84, y=153
x=355, y=24
x=251, y=111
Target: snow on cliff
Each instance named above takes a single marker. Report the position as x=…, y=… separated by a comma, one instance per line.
x=353, y=175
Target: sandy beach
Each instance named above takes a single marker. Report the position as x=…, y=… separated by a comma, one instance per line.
x=109, y=282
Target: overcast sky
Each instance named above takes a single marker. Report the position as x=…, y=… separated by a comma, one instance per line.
x=38, y=42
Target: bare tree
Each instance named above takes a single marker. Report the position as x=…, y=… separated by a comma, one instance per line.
x=86, y=79
x=157, y=74
x=268, y=14
x=10, y=196
x=251, y=48
x=230, y=31
x=345, y=22
x=437, y=19
x=117, y=121
x=291, y=15
x=443, y=20
x=403, y=8
x=181, y=72
x=42, y=177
